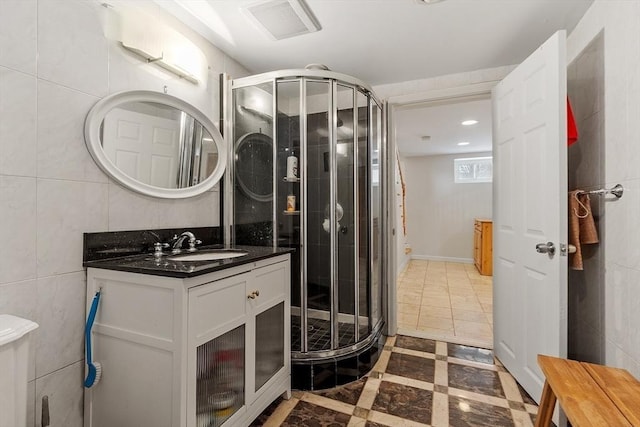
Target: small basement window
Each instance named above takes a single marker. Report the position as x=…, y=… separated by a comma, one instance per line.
x=473, y=170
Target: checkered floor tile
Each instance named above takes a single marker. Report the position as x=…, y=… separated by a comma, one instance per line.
x=416, y=382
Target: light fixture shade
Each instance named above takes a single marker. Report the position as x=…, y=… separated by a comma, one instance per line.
x=282, y=19
x=158, y=43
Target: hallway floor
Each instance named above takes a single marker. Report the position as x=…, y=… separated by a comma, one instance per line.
x=416, y=382
x=448, y=301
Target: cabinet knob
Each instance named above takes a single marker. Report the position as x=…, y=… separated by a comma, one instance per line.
x=254, y=294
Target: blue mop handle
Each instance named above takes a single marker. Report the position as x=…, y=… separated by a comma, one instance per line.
x=90, y=320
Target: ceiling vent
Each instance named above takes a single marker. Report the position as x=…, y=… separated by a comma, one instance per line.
x=282, y=19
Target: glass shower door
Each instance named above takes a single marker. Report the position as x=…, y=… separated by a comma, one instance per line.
x=345, y=217
x=376, y=211
x=363, y=213
x=318, y=215
x=289, y=189
x=253, y=166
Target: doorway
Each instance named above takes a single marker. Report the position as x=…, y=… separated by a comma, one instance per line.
x=443, y=183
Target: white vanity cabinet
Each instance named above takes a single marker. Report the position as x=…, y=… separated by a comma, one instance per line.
x=205, y=351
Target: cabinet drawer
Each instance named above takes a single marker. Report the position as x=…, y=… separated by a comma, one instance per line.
x=269, y=283
x=213, y=304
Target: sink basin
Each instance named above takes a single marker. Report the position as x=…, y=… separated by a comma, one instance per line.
x=209, y=255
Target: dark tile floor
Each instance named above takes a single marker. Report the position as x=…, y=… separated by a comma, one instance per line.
x=319, y=333
x=416, y=382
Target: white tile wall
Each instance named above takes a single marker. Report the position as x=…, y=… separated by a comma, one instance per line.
x=72, y=48
x=66, y=209
x=18, y=218
x=585, y=88
x=60, y=314
x=62, y=152
x=55, y=63
x=19, y=29
x=157, y=213
x=65, y=392
x=18, y=97
x=619, y=21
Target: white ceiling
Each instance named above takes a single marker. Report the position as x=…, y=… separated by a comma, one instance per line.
x=442, y=123
x=388, y=41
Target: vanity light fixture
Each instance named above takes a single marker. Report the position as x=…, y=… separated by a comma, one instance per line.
x=463, y=143
x=469, y=122
x=161, y=62
x=159, y=44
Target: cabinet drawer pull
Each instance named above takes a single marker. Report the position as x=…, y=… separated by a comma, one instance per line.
x=254, y=294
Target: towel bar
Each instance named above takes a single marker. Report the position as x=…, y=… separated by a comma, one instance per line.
x=617, y=191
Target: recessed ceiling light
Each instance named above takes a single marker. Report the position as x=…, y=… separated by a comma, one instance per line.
x=469, y=122
x=463, y=143
x=428, y=1
x=425, y=137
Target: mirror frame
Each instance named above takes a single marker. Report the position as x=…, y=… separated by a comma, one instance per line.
x=94, y=120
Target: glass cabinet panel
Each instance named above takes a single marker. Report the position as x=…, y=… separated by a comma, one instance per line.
x=220, y=378
x=269, y=343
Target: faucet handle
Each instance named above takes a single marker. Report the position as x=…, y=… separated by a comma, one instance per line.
x=157, y=248
x=193, y=243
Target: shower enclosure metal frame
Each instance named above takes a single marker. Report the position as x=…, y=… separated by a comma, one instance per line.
x=375, y=268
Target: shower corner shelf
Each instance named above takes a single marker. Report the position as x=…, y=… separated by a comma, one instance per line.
x=287, y=179
x=291, y=212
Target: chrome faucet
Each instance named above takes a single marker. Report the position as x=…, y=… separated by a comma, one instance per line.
x=179, y=240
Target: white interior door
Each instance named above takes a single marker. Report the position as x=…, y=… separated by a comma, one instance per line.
x=530, y=207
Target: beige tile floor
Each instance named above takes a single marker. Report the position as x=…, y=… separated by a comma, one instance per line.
x=447, y=301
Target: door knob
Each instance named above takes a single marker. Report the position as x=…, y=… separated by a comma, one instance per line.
x=546, y=248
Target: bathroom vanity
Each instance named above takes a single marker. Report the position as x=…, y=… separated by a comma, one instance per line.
x=189, y=344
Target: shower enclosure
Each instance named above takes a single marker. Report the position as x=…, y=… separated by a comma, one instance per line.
x=328, y=210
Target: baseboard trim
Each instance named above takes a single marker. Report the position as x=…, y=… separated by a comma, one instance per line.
x=442, y=258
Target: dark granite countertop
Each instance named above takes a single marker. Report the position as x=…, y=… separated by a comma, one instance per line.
x=166, y=266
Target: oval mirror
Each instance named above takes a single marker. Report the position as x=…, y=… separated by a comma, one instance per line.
x=155, y=144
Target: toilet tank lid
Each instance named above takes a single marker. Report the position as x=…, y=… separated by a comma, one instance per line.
x=13, y=328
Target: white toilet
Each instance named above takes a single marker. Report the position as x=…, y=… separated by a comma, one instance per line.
x=14, y=363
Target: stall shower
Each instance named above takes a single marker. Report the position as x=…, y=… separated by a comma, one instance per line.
x=306, y=175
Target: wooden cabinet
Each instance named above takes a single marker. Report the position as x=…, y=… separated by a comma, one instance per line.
x=483, y=246
x=210, y=350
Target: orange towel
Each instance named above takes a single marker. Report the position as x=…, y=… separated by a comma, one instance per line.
x=582, y=227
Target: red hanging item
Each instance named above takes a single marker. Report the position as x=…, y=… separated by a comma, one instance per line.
x=572, y=130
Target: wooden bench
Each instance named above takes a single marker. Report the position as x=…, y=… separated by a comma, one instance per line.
x=589, y=395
